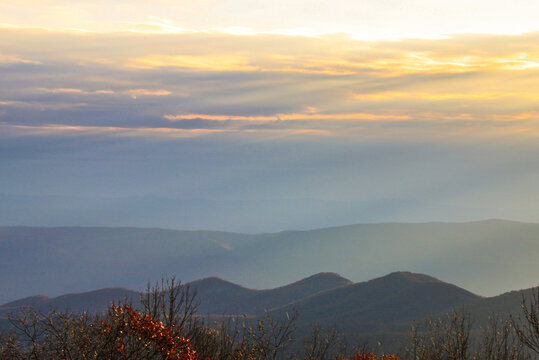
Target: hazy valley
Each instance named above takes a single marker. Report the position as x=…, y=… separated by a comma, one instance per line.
x=488, y=257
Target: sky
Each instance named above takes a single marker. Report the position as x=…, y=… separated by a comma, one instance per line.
x=429, y=104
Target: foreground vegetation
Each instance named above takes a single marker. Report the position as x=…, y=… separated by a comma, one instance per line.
x=166, y=327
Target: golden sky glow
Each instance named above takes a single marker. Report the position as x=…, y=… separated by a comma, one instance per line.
x=193, y=78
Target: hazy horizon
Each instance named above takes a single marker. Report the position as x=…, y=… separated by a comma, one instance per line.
x=235, y=216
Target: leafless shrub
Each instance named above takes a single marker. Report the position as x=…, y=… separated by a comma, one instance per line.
x=500, y=342
x=527, y=328
x=446, y=338
x=170, y=302
x=55, y=335
x=320, y=345
x=269, y=339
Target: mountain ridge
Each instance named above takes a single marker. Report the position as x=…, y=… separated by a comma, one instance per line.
x=55, y=261
x=398, y=297
x=206, y=288
x=383, y=306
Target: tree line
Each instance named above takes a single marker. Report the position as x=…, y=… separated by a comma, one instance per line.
x=166, y=326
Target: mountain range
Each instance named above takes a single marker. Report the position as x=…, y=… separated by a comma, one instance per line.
x=490, y=257
x=234, y=215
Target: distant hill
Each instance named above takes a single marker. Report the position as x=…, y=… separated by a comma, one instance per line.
x=54, y=261
x=91, y=301
x=504, y=304
x=221, y=297
x=380, y=304
x=215, y=296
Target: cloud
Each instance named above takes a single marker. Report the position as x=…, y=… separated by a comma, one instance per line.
x=156, y=25
x=60, y=129
x=435, y=96
x=146, y=92
x=74, y=91
x=41, y=106
x=284, y=117
x=147, y=132
x=4, y=58
x=133, y=93
x=197, y=63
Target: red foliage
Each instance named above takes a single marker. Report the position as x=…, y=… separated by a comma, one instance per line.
x=366, y=356
x=148, y=330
